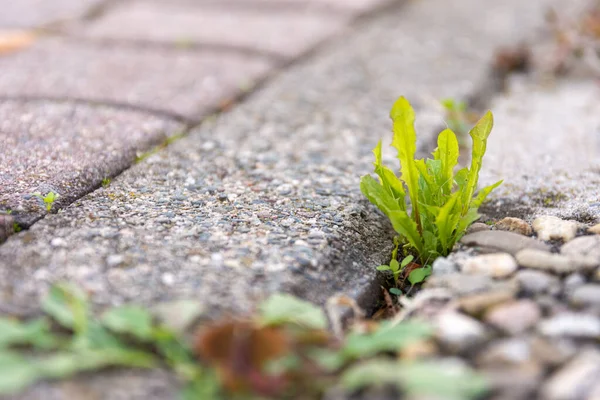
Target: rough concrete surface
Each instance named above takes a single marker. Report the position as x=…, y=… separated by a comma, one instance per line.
x=545, y=146
x=173, y=80
x=33, y=13
x=283, y=33
x=67, y=149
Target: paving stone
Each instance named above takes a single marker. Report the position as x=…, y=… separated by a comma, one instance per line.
x=285, y=32
x=174, y=80
x=553, y=171
x=35, y=13
x=68, y=149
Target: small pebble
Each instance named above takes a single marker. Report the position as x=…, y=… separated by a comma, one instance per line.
x=516, y=225
x=502, y=241
x=548, y=227
x=594, y=229
x=58, y=242
x=538, y=282
x=558, y=263
x=584, y=247
x=443, y=266
x=575, y=380
x=515, y=317
x=478, y=227
x=585, y=295
x=168, y=279
x=477, y=304
x=571, y=324
x=458, y=330
x=498, y=265
x=114, y=260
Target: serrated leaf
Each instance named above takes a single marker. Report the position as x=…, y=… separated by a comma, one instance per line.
x=405, y=142
x=446, y=221
x=132, y=320
x=388, y=179
x=483, y=193
x=479, y=135
x=67, y=304
x=418, y=275
x=447, y=153
x=435, y=379
x=283, y=308
x=35, y=333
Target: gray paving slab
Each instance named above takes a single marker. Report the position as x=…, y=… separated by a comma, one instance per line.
x=36, y=13
x=282, y=33
x=546, y=146
x=175, y=80
x=67, y=149
x=265, y=198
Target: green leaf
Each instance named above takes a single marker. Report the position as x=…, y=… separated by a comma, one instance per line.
x=446, y=222
x=388, y=337
x=372, y=373
x=419, y=275
x=384, y=268
x=405, y=141
x=407, y=260
x=16, y=372
x=479, y=134
x=483, y=193
x=388, y=179
x=396, y=291
x=133, y=320
x=434, y=379
x=407, y=228
x=447, y=153
x=327, y=359
x=283, y=308
x=35, y=333
x=67, y=305
x=394, y=265
x=437, y=379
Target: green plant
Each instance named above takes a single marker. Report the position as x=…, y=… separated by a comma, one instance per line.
x=458, y=117
x=48, y=199
x=443, y=203
x=105, y=182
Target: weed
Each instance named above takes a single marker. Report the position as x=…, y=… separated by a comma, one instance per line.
x=105, y=182
x=443, y=203
x=284, y=349
x=48, y=199
x=16, y=227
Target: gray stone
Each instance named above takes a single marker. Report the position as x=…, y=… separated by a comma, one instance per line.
x=477, y=304
x=576, y=379
x=477, y=227
x=443, y=266
x=553, y=351
x=513, y=351
x=572, y=282
x=586, y=295
x=594, y=229
x=584, y=247
x=537, y=282
x=549, y=227
x=571, y=325
x=462, y=284
x=514, y=317
x=514, y=382
x=459, y=331
x=497, y=265
x=503, y=241
x=7, y=227
x=516, y=225
x=558, y=263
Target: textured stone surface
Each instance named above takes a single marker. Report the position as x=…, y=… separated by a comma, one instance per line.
x=168, y=79
x=34, y=13
x=285, y=32
x=553, y=170
x=68, y=149
x=503, y=241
